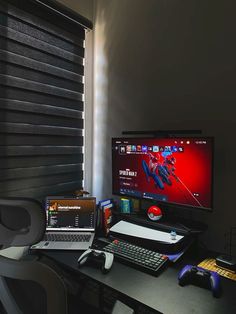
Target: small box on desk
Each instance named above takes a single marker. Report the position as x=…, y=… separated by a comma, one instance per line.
x=226, y=261
x=104, y=215
x=125, y=206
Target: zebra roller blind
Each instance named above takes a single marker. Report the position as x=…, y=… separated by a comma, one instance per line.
x=41, y=98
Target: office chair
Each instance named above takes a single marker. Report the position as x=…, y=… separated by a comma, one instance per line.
x=28, y=286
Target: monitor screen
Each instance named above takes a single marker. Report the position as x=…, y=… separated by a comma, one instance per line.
x=174, y=171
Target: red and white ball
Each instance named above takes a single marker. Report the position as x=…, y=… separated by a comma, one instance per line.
x=154, y=213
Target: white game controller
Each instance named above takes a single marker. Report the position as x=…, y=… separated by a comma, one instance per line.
x=106, y=258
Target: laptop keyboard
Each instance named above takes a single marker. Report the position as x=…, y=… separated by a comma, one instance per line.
x=67, y=237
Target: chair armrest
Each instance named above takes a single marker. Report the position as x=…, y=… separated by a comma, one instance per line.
x=41, y=274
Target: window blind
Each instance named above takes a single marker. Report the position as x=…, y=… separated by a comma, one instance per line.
x=41, y=98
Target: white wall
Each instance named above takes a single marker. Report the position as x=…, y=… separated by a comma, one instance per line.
x=164, y=64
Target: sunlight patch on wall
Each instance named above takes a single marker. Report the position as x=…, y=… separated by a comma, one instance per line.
x=100, y=106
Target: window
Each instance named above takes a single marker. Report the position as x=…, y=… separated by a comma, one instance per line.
x=41, y=98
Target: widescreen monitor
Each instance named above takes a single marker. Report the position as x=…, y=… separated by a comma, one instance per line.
x=171, y=171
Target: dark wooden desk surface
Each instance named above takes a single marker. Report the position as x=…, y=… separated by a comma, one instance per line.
x=161, y=293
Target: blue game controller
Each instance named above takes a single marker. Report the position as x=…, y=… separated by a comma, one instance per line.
x=200, y=276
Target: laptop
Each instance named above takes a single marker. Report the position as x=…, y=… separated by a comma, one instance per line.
x=70, y=223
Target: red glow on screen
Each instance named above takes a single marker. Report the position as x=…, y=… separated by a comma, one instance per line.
x=176, y=170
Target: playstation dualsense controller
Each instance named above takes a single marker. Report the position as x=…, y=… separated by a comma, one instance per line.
x=105, y=258
x=198, y=275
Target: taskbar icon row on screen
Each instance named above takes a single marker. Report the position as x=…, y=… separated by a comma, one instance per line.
x=138, y=194
x=126, y=149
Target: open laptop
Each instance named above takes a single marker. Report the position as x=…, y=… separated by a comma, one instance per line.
x=70, y=223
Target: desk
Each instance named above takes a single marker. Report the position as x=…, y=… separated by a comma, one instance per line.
x=162, y=293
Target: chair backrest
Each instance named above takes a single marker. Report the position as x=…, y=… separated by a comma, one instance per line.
x=23, y=282
x=22, y=222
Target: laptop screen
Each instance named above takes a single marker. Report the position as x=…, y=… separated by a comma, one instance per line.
x=74, y=214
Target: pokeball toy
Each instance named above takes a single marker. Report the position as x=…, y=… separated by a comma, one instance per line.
x=154, y=213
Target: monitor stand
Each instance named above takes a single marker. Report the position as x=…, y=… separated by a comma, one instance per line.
x=168, y=224
x=185, y=226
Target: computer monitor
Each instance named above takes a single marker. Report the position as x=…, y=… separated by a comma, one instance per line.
x=170, y=171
